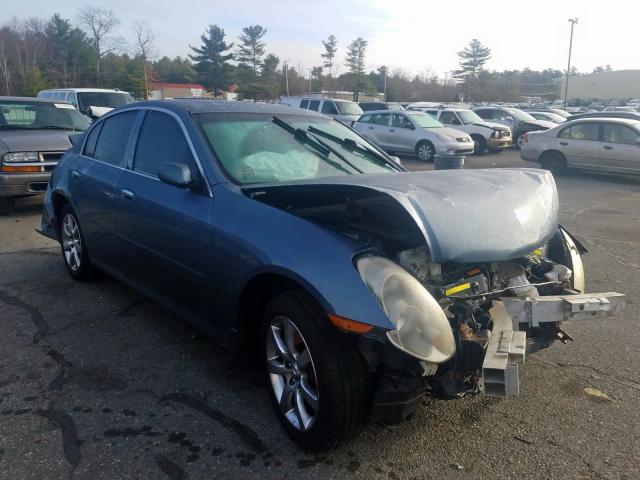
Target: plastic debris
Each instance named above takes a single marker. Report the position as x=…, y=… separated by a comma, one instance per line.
x=593, y=392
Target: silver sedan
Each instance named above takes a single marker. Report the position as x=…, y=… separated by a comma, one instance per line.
x=602, y=144
x=413, y=132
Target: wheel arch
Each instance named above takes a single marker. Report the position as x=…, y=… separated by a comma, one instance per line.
x=255, y=295
x=552, y=150
x=58, y=201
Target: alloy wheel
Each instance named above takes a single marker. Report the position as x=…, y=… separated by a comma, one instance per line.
x=425, y=152
x=292, y=373
x=71, y=242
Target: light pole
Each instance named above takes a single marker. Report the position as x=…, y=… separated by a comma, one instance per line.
x=566, y=83
x=286, y=76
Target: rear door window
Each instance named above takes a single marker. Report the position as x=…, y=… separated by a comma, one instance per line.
x=381, y=119
x=304, y=103
x=584, y=131
x=114, y=136
x=161, y=140
x=92, y=140
x=314, y=105
x=486, y=114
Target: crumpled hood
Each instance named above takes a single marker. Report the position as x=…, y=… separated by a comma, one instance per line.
x=492, y=126
x=35, y=140
x=540, y=123
x=470, y=215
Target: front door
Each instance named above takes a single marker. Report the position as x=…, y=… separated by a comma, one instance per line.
x=166, y=228
x=401, y=134
x=579, y=144
x=620, y=148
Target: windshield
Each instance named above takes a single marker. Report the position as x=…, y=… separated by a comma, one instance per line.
x=424, y=120
x=103, y=99
x=467, y=117
x=252, y=148
x=519, y=114
x=41, y=115
x=348, y=108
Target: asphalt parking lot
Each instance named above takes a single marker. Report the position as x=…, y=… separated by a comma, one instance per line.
x=97, y=382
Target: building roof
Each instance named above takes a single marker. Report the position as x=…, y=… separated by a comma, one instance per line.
x=159, y=85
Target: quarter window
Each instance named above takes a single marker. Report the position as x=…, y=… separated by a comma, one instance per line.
x=92, y=139
x=161, y=140
x=613, y=133
x=114, y=136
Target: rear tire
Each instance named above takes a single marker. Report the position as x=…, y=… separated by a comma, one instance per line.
x=73, y=245
x=425, y=151
x=479, y=144
x=304, y=355
x=554, y=162
x=6, y=205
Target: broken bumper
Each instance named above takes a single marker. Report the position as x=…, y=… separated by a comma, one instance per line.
x=506, y=349
x=499, y=143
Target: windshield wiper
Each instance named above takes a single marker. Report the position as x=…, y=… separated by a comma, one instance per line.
x=316, y=143
x=351, y=144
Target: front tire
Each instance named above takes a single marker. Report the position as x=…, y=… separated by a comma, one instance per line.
x=425, y=151
x=74, y=246
x=318, y=382
x=6, y=205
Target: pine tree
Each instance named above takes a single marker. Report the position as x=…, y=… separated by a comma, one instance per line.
x=355, y=61
x=472, y=59
x=330, y=49
x=211, y=59
x=251, y=48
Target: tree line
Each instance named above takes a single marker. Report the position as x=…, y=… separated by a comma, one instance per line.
x=91, y=52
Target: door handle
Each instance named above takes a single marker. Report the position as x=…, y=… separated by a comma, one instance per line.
x=391, y=130
x=607, y=147
x=128, y=194
x=564, y=143
x=107, y=193
x=75, y=173
x=370, y=128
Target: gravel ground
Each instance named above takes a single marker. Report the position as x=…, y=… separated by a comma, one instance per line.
x=97, y=382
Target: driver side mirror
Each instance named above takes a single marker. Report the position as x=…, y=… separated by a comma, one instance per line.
x=176, y=174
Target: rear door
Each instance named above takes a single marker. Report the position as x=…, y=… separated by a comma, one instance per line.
x=94, y=184
x=620, y=150
x=579, y=144
x=314, y=105
x=378, y=129
x=166, y=228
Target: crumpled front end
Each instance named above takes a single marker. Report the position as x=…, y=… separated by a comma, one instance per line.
x=497, y=313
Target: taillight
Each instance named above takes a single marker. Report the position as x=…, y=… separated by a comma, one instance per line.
x=525, y=138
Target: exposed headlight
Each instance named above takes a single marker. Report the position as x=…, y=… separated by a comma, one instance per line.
x=20, y=157
x=422, y=329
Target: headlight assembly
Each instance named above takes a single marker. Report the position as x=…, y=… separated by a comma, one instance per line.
x=422, y=329
x=20, y=157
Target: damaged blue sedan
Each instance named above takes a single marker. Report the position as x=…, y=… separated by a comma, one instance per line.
x=359, y=286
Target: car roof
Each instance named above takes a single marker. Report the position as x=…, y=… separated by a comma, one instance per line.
x=625, y=121
x=31, y=99
x=110, y=90
x=221, y=106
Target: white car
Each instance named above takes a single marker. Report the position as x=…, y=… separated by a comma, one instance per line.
x=344, y=111
x=413, y=132
x=485, y=135
x=92, y=102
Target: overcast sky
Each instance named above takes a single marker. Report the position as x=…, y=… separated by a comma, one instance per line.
x=411, y=35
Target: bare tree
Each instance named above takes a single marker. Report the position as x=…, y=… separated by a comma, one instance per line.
x=144, y=37
x=100, y=25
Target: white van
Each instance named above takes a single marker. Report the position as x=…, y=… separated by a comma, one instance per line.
x=342, y=110
x=93, y=102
